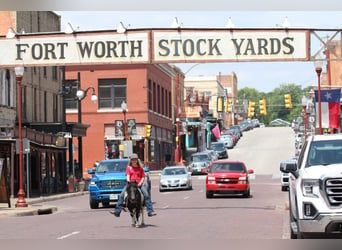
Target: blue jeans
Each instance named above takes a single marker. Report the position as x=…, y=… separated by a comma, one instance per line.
x=148, y=202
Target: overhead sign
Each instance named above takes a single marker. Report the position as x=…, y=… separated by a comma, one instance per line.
x=238, y=45
x=75, y=49
x=154, y=46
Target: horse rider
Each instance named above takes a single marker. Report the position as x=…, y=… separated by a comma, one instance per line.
x=135, y=172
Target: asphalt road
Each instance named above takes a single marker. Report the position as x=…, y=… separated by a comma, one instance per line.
x=182, y=214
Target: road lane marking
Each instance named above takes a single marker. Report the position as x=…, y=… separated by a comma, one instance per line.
x=186, y=197
x=68, y=235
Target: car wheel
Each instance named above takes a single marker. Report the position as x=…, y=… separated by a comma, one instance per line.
x=105, y=203
x=283, y=188
x=247, y=194
x=209, y=194
x=292, y=220
x=94, y=204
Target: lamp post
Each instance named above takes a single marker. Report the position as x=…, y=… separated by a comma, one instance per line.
x=318, y=63
x=19, y=72
x=124, y=111
x=304, y=103
x=80, y=95
x=178, y=152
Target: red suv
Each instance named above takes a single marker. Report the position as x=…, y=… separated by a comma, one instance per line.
x=228, y=177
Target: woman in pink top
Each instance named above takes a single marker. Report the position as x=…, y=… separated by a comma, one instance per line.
x=135, y=173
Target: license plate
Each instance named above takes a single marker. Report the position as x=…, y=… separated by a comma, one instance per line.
x=113, y=196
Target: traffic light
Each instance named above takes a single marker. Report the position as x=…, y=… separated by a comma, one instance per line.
x=148, y=129
x=229, y=105
x=220, y=104
x=288, y=102
x=251, y=108
x=262, y=107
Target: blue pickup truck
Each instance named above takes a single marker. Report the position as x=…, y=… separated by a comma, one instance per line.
x=107, y=182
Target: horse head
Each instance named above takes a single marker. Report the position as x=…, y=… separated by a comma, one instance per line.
x=133, y=193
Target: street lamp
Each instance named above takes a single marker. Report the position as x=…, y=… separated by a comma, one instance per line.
x=178, y=152
x=19, y=72
x=304, y=103
x=318, y=63
x=124, y=110
x=80, y=95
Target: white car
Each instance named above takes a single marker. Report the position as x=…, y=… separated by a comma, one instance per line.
x=227, y=140
x=175, y=178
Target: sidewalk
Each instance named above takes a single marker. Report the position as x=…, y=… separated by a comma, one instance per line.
x=35, y=205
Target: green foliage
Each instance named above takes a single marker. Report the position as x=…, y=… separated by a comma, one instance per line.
x=275, y=101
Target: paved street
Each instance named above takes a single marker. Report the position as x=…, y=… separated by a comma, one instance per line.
x=182, y=214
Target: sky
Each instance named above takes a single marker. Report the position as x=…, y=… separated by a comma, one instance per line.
x=263, y=76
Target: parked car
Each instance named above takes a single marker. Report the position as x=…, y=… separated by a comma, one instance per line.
x=107, y=182
x=198, y=162
x=284, y=176
x=228, y=177
x=227, y=140
x=175, y=178
x=213, y=154
x=220, y=149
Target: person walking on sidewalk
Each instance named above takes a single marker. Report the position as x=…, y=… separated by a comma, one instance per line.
x=135, y=173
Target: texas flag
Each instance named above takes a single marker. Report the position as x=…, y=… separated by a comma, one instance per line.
x=330, y=107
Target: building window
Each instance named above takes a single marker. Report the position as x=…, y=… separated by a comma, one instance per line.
x=158, y=98
x=54, y=73
x=162, y=101
x=150, y=95
x=70, y=94
x=55, y=107
x=112, y=92
x=45, y=106
x=154, y=97
x=35, y=104
x=170, y=105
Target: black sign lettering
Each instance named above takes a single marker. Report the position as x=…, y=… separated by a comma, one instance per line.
x=136, y=48
x=262, y=46
x=85, y=48
x=198, y=46
x=275, y=46
x=20, y=50
x=163, y=46
x=213, y=46
x=49, y=49
x=37, y=51
x=286, y=43
x=237, y=46
x=188, y=47
x=111, y=49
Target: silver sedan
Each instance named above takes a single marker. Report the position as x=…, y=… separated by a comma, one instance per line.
x=175, y=178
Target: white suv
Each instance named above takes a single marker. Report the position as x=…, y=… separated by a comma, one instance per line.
x=315, y=188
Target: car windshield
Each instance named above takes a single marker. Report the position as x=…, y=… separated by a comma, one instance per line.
x=325, y=153
x=227, y=167
x=217, y=146
x=198, y=158
x=174, y=171
x=118, y=166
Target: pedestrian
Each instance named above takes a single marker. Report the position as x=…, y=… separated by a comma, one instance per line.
x=135, y=173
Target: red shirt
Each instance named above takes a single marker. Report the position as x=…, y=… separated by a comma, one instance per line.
x=135, y=173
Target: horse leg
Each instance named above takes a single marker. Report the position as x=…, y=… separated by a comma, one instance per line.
x=133, y=219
